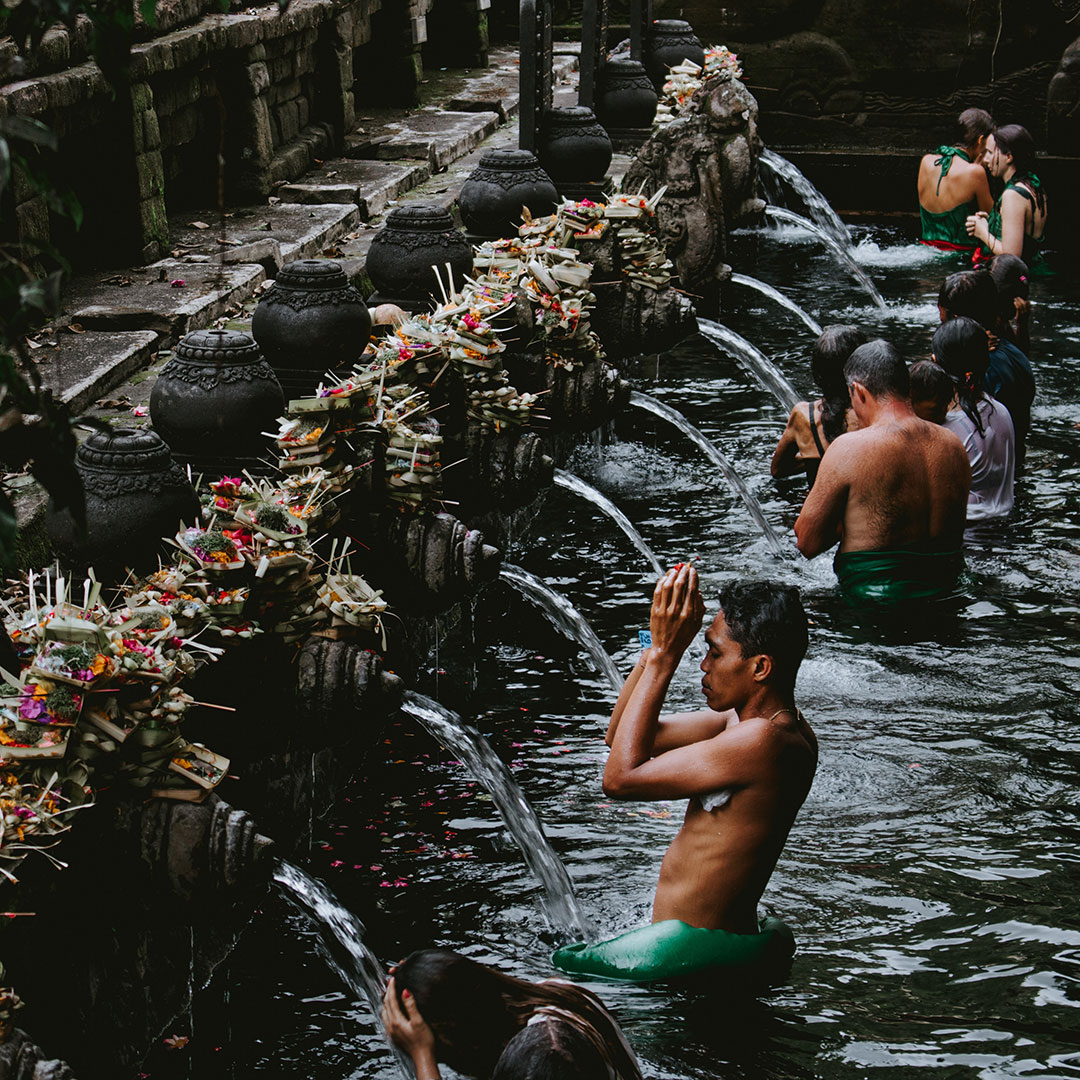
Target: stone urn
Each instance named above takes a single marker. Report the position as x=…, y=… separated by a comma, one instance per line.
x=214, y=400
x=627, y=98
x=414, y=239
x=310, y=321
x=505, y=181
x=670, y=42
x=135, y=495
x=573, y=145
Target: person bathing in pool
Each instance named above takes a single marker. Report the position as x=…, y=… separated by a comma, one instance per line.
x=745, y=763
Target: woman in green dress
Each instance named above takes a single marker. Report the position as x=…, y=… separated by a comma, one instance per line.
x=953, y=184
x=1017, y=223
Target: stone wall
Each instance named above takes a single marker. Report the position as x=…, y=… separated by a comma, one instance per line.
x=268, y=92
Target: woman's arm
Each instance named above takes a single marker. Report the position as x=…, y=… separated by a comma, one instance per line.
x=786, y=460
x=1014, y=211
x=407, y=1029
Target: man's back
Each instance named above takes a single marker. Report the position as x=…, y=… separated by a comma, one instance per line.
x=898, y=483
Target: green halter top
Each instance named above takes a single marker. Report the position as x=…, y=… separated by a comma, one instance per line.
x=1032, y=250
x=948, y=229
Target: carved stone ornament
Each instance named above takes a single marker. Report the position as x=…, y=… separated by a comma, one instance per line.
x=214, y=399
x=311, y=320
x=505, y=180
x=627, y=98
x=415, y=238
x=135, y=495
x=573, y=146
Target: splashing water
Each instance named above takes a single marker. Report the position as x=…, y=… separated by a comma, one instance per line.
x=563, y=616
x=775, y=294
x=777, y=213
x=573, y=483
x=560, y=905
x=341, y=941
x=753, y=360
x=817, y=206
x=714, y=454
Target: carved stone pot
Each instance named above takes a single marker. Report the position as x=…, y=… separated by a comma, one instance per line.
x=310, y=321
x=670, y=42
x=135, y=495
x=505, y=181
x=415, y=238
x=627, y=98
x=214, y=399
x=573, y=146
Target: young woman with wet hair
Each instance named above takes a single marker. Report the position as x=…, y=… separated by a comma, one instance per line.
x=813, y=425
x=952, y=184
x=982, y=424
x=441, y=1006
x=1017, y=223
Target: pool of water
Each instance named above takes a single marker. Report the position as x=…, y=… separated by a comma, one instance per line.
x=930, y=878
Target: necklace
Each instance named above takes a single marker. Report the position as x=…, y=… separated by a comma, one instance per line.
x=794, y=712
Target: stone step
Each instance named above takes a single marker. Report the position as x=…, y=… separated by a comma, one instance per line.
x=169, y=297
x=80, y=368
x=368, y=184
x=438, y=136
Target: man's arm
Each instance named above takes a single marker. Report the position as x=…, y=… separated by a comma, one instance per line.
x=674, y=621
x=676, y=729
x=820, y=524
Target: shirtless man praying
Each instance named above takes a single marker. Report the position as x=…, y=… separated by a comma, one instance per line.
x=745, y=763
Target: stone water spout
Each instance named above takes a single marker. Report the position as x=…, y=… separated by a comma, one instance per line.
x=787, y=217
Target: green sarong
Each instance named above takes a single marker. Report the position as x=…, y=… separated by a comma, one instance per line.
x=888, y=578
x=673, y=949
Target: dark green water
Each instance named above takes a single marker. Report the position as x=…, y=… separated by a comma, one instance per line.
x=931, y=877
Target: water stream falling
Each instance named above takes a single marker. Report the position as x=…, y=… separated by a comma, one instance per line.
x=776, y=295
x=341, y=941
x=753, y=359
x=778, y=213
x=563, y=616
x=817, y=206
x=715, y=455
x=573, y=483
x=559, y=903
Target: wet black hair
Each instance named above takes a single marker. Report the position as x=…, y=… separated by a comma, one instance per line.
x=551, y=1050
x=972, y=293
x=474, y=1010
x=971, y=126
x=880, y=368
x=1010, y=276
x=1017, y=141
x=931, y=382
x=831, y=351
x=961, y=347
x=768, y=618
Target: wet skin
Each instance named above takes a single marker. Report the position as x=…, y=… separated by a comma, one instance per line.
x=750, y=739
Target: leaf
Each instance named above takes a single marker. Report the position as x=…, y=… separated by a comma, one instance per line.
x=43, y=293
x=199, y=225
x=29, y=130
x=148, y=11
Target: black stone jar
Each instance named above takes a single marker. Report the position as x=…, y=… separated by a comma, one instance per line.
x=627, y=98
x=670, y=42
x=415, y=238
x=573, y=145
x=505, y=181
x=310, y=321
x=135, y=495
x=214, y=400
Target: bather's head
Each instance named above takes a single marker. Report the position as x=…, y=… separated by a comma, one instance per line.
x=759, y=637
x=971, y=293
x=875, y=372
x=550, y=1050
x=973, y=127
x=931, y=390
x=831, y=351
